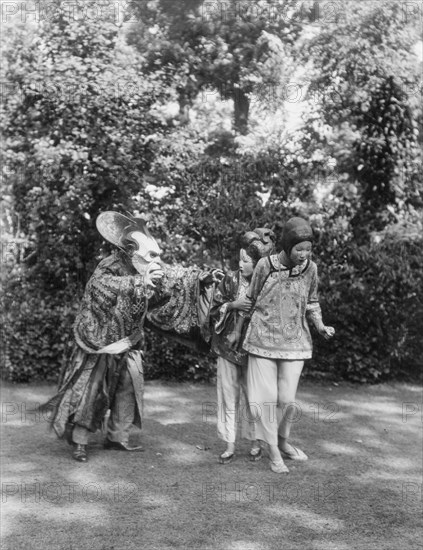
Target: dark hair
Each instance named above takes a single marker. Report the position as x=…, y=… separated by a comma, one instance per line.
x=258, y=243
x=296, y=230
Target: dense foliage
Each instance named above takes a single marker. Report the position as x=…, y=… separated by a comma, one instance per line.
x=80, y=129
x=90, y=125
x=374, y=299
x=233, y=48
x=366, y=89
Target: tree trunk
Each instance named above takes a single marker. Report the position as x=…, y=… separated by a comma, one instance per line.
x=242, y=108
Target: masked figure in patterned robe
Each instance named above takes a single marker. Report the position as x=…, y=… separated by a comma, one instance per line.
x=105, y=369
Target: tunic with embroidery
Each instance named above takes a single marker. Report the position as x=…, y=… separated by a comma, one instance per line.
x=283, y=299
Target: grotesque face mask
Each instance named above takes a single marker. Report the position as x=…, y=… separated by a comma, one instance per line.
x=144, y=251
x=131, y=235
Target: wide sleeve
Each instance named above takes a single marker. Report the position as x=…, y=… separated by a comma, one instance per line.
x=106, y=283
x=313, y=310
x=175, y=305
x=223, y=295
x=112, y=306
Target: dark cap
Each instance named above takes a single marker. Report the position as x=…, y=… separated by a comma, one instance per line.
x=296, y=230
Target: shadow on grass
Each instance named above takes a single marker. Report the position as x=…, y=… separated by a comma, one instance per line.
x=360, y=489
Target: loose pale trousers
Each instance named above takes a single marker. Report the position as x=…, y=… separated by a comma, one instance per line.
x=271, y=395
x=233, y=410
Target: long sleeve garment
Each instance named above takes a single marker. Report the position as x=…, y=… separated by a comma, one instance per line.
x=112, y=306
x=283, y=299
x=112, y=311
x=232, y=287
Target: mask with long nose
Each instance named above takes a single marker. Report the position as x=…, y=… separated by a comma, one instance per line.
x=144, y=252
x=131, y=235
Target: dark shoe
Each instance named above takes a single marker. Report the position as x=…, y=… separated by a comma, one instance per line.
x=80, y=452
x=255, y=454
x=118, y=446
x=226, y=458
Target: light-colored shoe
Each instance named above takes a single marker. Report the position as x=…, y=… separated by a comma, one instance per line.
x=278, y=467
x=294, y=453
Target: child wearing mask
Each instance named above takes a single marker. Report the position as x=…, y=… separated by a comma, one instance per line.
x=230, y=310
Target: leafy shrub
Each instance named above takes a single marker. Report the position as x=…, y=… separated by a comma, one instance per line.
x=374, y=300
x=37, y=333
x=168, y=360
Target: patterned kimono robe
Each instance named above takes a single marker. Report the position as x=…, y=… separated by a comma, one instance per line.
x=109, y=337
x=232, y=287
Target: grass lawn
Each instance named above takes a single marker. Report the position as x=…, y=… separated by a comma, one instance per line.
x=361, y=488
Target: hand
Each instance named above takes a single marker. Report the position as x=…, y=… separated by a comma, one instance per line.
x=214, y=276
x=153, y=276
x=242, y=304
x=327, y=332
x=217, y=275
x=233, y=338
